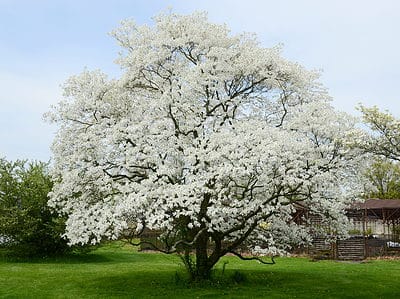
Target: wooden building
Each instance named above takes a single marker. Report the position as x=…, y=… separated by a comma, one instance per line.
x=375, y=232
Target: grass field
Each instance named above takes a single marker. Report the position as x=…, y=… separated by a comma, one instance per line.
x=120, y=272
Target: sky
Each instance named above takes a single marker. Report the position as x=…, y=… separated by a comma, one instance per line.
x=355, y=43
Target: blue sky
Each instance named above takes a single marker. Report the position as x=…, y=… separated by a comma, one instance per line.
x=356, y=44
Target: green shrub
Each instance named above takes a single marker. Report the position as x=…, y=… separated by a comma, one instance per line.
x=27, y=225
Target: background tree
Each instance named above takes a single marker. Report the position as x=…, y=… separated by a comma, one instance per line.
x=27, y=225
x=384, y=139
x=208, y=137
x=384, y=179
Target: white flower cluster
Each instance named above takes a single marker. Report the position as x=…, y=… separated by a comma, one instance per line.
x=384, y=137
x=205, y=131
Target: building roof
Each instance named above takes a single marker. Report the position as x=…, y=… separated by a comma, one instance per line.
x=385, y=209
x=379, y=204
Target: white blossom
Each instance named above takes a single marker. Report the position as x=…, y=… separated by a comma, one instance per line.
x=205, y=129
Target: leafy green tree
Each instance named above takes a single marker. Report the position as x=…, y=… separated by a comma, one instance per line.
x=27, y=225
x=384, y=178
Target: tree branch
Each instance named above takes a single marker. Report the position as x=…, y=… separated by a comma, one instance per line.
x=253, y=258
x=173, y=248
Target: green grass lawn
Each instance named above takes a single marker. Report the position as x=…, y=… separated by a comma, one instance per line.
x=120, y=272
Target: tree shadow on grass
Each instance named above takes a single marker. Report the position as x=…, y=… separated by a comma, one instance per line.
x=252, y=284
x=71, y=258
x=165, y=284
x=112, y=252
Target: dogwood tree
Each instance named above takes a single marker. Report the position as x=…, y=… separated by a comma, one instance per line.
x=384, y=139
x=207, y=137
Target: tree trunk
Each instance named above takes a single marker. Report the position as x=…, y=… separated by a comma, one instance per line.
x=203, y=267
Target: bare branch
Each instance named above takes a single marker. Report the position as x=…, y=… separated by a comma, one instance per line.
x=253, y=258
x=173, y=248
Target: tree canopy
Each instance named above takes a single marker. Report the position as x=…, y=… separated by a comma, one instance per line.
x=384, y=139
x=383, y=176
x=208, y=137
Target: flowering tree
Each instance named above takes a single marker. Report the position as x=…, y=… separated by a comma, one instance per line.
x=385, y=138
x=207, y=137
x=383, y=141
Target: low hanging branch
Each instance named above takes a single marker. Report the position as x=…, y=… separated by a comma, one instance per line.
x=171, y=249
x=255, y=258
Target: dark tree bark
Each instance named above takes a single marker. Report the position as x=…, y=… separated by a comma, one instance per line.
x=203, y=268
